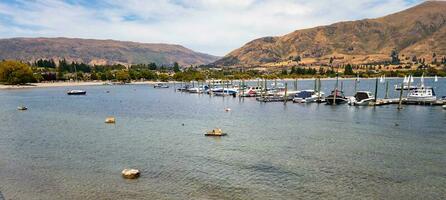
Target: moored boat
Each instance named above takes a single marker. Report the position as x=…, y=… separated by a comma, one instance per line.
x=308, y=96
x=22, y=108
x=77, y=92
x=215, y=133
x=336, y=97
x=160, y=85
x=422, y=94
x=362, y=98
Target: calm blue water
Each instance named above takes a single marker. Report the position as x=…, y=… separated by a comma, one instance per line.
x=62, y=149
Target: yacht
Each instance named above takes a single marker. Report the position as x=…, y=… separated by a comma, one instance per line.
x=251, y=92
x=338, y=95
x=161, y=85
x=224, y=92
x=308, y=96
x=422, y=93
x=362, y=98
x=77, y=92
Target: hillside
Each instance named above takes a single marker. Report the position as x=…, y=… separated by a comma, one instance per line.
x=99, y=51
x=419, y=31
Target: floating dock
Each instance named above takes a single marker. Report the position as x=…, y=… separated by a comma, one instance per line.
x=405, y=101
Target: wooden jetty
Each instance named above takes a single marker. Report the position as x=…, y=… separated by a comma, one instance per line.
x=381, y=102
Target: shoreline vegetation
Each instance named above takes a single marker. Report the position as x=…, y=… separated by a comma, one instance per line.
x=48, y=73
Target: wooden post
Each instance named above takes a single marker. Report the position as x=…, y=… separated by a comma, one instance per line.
x=239, y=89
x=401, y=97
x=335, y=91
x=319, y=90
x=295, y=84
x=376, y=89
x=285, y=97
x=408, y=86
x=315, y=85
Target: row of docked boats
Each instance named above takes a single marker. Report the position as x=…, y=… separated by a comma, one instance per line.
x=279, y=92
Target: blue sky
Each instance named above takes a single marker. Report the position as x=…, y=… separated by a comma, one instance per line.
x=209, y=26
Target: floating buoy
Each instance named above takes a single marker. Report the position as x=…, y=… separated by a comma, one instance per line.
x=216, y=132
x=130, y=173
x=227, y=109
x=22, y=108
x=110, y=120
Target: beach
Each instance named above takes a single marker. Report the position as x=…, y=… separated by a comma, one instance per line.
x=67, y=84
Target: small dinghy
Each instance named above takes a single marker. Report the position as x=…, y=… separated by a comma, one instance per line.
x=444, y=107
x=22, y=108
x=216, y=133
x=77, y=92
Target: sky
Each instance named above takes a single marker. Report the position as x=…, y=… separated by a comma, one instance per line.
x=210, y=26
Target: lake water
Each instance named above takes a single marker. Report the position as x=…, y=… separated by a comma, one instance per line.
x=62, y=149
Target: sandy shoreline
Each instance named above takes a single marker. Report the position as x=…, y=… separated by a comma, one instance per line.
x=65, y=84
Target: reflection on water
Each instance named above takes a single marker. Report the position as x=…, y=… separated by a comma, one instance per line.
x=62, y=149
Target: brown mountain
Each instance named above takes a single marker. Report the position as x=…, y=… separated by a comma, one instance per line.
x=419, y=31
x=99, y=51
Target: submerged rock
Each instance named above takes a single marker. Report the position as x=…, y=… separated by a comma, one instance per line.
x=130, y=173
x=110, y=120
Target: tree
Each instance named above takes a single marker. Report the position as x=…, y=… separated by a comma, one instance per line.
x=395, y=57
x=297, y=59
x=123, y=75
x=176, y=67
x=14, y=72
x=348, y=70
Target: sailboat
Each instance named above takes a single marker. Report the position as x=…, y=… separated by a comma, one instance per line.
x=406, y=82
x=436, y=78
x=381, y=80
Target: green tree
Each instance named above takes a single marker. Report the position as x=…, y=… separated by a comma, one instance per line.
x=395, y=58
x=14, y=72
x=348, y=70
x=176, y=67
x=123, y=75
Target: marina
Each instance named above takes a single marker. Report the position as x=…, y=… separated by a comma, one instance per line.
x=278, y=91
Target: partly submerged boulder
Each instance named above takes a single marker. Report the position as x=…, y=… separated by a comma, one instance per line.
x=130, y=173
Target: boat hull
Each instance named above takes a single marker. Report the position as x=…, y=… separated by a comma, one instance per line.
x=77, y=93
x=340, y=100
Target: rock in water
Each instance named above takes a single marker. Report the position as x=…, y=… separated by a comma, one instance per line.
x=110, y=120
x=130, y=173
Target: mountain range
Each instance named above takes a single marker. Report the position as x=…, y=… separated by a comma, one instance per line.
x=99, y=52
x=418, y=31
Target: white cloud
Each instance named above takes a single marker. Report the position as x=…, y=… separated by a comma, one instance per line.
x=211, y=26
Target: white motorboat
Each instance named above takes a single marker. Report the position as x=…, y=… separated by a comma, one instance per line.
x=161, y=85
x=422, y=94
x=308, y=96
x=77, y=92
x=362, y=98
